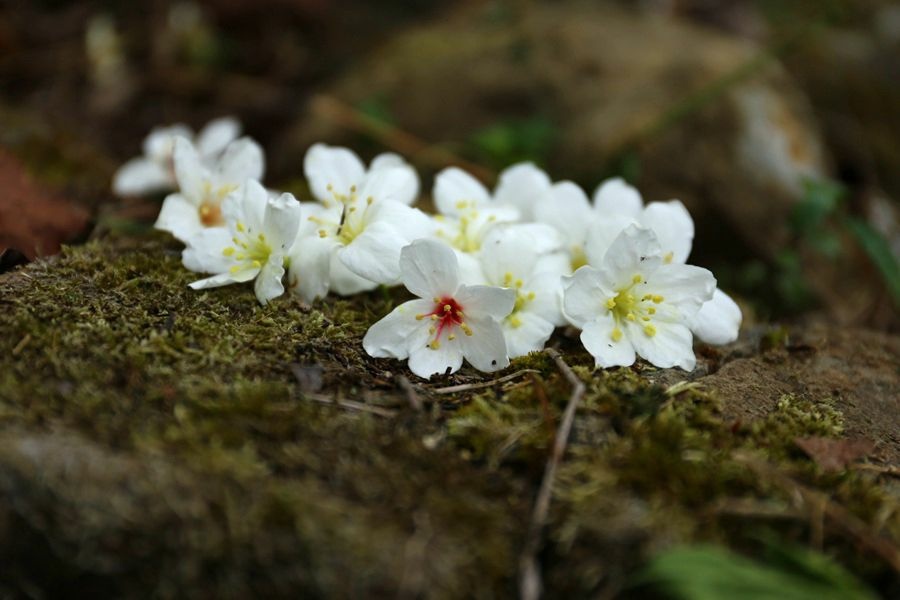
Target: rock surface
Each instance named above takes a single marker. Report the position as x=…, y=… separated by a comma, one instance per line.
x=155, y=440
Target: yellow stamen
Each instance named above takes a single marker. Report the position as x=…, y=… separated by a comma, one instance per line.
x=616, y=334
x=650, y=330
x=228, y=251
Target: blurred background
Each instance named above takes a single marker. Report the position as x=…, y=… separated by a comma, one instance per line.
x=776, y=122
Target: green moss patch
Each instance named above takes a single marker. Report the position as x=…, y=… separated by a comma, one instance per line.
x=154, y=439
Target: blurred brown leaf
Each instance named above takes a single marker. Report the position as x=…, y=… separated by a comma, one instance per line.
x=835, y=455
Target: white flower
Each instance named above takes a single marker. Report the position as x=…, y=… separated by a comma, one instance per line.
x=565, y=206
x=635, y=303
x=508, y=259
x=619, y=205
x=351, y=241
x=468, y=211
x=333, y=171
x=254, y=244
x=155, y=172
x=449, y=322
x=522, y=185
x=202, y=188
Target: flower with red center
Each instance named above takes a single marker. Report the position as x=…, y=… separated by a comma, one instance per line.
x=448, y=322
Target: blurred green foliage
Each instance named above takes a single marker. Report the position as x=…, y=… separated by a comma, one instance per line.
x=507, y=142
x=711, y=573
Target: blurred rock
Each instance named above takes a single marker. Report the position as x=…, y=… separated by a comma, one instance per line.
x=707, y=118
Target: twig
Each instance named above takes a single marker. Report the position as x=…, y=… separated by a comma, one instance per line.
x=888, y=470
x=411, y=396
x=351, y=405
x=21, y=345
x=530, y=585
x=466, y=387
x=346, y=116
x=817, y=501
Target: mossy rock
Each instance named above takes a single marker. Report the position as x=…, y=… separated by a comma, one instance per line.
x=158, y=441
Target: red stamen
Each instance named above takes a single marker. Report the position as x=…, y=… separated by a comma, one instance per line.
x=449, y=316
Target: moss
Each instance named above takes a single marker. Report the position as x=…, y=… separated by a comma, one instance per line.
x=155, y=438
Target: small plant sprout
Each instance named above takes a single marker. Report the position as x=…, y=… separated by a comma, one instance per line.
x=155, y=171
x=198, y=203
x=254, y=243
x=634, y=302
x=508, y=260
x=351, y=241
x=449, y=322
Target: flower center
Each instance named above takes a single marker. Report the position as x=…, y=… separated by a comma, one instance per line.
x=626, y=305
x=352, y=221
x=466, y=230
x=250, y=250
x=211, y=207
x=446, y=317
x=522, y=299
x=579, y=258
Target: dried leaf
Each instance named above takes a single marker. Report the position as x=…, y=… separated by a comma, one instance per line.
x=835, y=455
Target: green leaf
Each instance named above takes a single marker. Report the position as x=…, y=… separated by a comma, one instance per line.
x=874, y=244
x=711, y=573
x=514, y=141
x=821, y=199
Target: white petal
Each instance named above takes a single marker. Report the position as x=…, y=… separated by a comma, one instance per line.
x=345, y=282
x=634, y=251
x=218, y=133
x=281, y=221
x=425, y=361
x=602, y=234
x=268, y=283
x=453, y=186
x=179, y=217
x=225, y=279
x=242, y=160
x=338, y=167
x=507, y=254
x=673, y=226
x=159, y=145
x=247, y=205
x=398, y=332
x=670, y=346
x=565, y=206
x=685, y=286
x=204, y=251
x=557, y=263
x=410, y=223
x=615, y=197
x=309, y=275
x=189, y=171
x=521, y=185
x=548, y=292
x=429, y=269
x=142, y=176
x=597, y=338
x=718, y=321
x=375, y=254
x=485, y=349
x=470, y=271
x=397, y=183
x=386, y=160
x=486, y=301
x=529, y=334
x=584, y=296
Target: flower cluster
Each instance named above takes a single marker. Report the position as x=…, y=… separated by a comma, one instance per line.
x=494, y=273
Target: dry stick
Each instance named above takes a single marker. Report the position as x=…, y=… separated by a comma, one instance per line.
x=881, y=470
x=465, y=387
x=842, y=518
x=344, y=115
x=411, y=396
x=350, y=405
x=530, y=586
